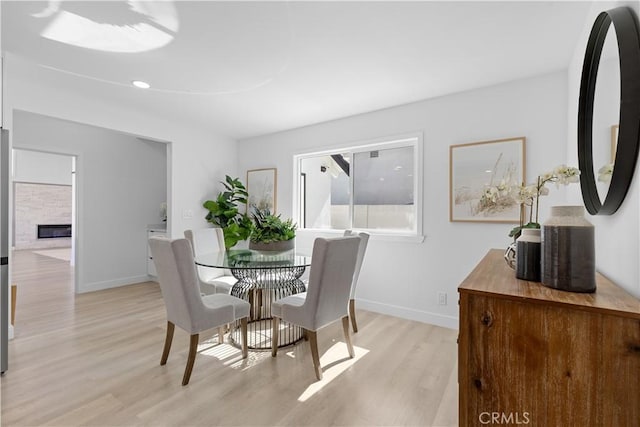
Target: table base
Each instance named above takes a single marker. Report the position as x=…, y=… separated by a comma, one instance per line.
x=259, y=335
x=261, y=293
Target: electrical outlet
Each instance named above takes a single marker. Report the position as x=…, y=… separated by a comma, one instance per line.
x=442, y=298
x=187, y=214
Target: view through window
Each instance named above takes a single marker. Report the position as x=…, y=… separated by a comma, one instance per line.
x=372, y=187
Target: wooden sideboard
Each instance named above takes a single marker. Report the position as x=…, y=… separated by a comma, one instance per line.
x=533, y=355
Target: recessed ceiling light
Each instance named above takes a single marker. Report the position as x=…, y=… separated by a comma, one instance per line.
x=140, y=84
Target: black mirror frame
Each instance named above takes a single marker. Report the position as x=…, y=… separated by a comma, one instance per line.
x=628, y=35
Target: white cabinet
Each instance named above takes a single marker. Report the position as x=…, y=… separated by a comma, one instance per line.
x=152, y=232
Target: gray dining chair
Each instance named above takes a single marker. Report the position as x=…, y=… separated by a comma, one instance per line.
x=364, y=240
x=185, y=307
x=212, y=280
x=332, y=265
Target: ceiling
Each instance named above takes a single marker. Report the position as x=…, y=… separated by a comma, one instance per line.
x=244, y=69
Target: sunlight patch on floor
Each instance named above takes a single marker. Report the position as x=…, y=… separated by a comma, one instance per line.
x=222, y=352
x=230, y=355
x=333, y=363
x=254, y=358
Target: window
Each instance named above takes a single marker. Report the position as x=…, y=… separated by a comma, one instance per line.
x=375, y=187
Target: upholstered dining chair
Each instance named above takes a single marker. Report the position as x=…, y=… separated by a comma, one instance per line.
x=184, y=304
x=332, y=265
x=212, y=280
x=364, y=240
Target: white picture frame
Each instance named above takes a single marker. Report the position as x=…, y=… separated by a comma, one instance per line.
x=262, y=186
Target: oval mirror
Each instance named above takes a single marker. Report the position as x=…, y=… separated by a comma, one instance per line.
x=598, y=108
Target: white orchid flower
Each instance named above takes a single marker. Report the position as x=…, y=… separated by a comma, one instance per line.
x=605, y=172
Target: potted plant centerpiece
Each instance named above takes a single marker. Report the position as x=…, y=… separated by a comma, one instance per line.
x=269, y=232
x=224, y=212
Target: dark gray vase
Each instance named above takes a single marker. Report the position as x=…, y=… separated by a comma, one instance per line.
x=568, y=251
x=528, y=253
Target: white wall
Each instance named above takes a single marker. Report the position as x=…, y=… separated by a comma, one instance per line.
x=1, y=71
x=197, y=159
x=38, y=204
x=121, y=182
x=318, y=203
x=404, y=278
x=29, y=170
x=618, y=235
x=41, y=168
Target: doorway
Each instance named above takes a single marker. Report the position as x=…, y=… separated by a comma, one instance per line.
x=43, y=235
x=44, y=203
x=121, y=187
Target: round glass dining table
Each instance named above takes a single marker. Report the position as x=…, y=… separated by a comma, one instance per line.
x=263, y=277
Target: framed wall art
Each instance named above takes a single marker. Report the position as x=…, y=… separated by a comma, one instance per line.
x=614, y=141
x=262, y=188
x=481, y=180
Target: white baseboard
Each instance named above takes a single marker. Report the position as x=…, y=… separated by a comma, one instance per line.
x=445, y=321
x=108, y=284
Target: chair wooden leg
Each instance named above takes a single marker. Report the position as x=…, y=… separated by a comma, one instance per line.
x=275, y=332
x=313, y=343
x=221, y=335
x=352, y=314
x=193, y=350
x=243, y=329
x=347, y=338
x=167, y=343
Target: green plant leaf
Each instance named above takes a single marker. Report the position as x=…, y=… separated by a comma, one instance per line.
x=516, y=231
x=209, y=204
x=269, y=228
x=225, y=212
x=531, y=225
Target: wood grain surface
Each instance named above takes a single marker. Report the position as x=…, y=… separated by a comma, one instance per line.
x=560, y=359
x=493, y=276
x=94, y=360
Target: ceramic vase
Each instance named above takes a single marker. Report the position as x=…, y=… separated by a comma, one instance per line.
x=568, y=251
x=528, y=255
x=510, y=255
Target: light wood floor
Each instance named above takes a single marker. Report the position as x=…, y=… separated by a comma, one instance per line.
x=93, y=359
